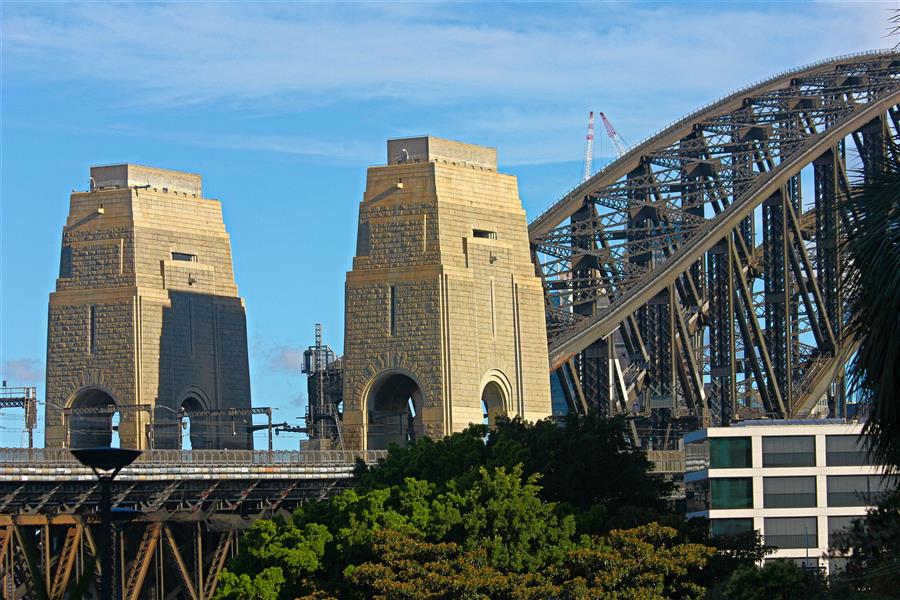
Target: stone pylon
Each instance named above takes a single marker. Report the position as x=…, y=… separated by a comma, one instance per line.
x=146, y=317
x=444, y=316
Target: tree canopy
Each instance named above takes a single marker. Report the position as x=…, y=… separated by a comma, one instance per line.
x=533, y=511
x=871, y=548
x=587, y=466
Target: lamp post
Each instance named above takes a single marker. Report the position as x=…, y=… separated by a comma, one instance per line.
x=106, y=463
x=806, y=543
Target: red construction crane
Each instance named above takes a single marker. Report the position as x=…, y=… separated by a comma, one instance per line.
x=617, y=141
x=589, y=148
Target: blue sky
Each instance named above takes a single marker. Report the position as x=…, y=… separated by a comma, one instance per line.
x=282, y=106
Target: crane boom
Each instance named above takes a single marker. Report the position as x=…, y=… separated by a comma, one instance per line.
x=589, y=148
x=617, y=141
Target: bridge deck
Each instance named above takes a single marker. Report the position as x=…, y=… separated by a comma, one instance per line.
x=58, y=464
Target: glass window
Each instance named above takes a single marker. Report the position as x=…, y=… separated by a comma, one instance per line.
x=730, y=453
x=93, y=330
x=696, y=495
x=837, y=525
x=731, y=492
x=845, y=450
x=789, y=451
x=696, y=456
x=728, y=527
x=363, y=244
x=183, y=256
x=789, y=492
x=858, y=490
x=790, y=532
x=65, y=261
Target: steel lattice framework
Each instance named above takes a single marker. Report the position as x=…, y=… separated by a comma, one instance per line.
x=188, y=507
x=697, y=278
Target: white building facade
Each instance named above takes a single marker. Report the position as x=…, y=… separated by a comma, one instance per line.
x=798, y=483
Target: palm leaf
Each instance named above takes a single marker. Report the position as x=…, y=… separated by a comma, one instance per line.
x=871, y=280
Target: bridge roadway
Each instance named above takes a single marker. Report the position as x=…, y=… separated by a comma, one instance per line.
x=191, y=505
x=50, y=481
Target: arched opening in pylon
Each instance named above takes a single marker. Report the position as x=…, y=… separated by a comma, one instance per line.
x=394, y=406
x=493, y=403
x=194, y=428
x=89, y=425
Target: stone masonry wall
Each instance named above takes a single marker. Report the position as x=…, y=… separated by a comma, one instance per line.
x=155, y=263
x=451, y=240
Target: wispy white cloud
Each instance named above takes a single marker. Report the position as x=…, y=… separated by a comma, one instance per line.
x=284, y=359
x=521, y=72
x=182, y=53
x=335, y=148
x=23, y=371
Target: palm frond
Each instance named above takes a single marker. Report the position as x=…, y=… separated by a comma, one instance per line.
x=871, y=280
x=894, y=28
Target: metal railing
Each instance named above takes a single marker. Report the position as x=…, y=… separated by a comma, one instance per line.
x=63, y=457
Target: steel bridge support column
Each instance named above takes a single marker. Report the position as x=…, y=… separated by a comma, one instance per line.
x=874, y=144
x=654, y=321
x=723, y=392
x=595, y=366
x=7, y=562
x=777, y=287
x=590, y=364
x=828, y=258
x=659, y=326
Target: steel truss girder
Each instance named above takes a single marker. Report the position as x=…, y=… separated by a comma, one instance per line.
x=660, y=210
x=45, y=559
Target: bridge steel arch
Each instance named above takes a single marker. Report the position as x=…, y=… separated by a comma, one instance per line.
x=697, y=279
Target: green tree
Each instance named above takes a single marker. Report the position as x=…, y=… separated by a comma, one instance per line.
x=498, y=515
x=437, y=462
x=405, y=568
x=587, y=465
x=732, y=551
x=469, y=518
x=776, y=580
x=265, y=585
x=276, y=552
x=647, y=562
x=872, y=549
x=503, y=515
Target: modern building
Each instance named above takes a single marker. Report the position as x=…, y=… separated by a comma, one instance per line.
x=444, y=315
x=146, y=321
x=797, y=482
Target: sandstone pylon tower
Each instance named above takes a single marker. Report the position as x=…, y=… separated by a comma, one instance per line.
x=146, y=317
x=444, y=316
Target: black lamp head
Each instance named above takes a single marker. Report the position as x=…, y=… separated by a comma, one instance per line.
x=105, y=458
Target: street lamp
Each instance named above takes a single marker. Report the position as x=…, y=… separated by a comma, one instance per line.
x=106, y=463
